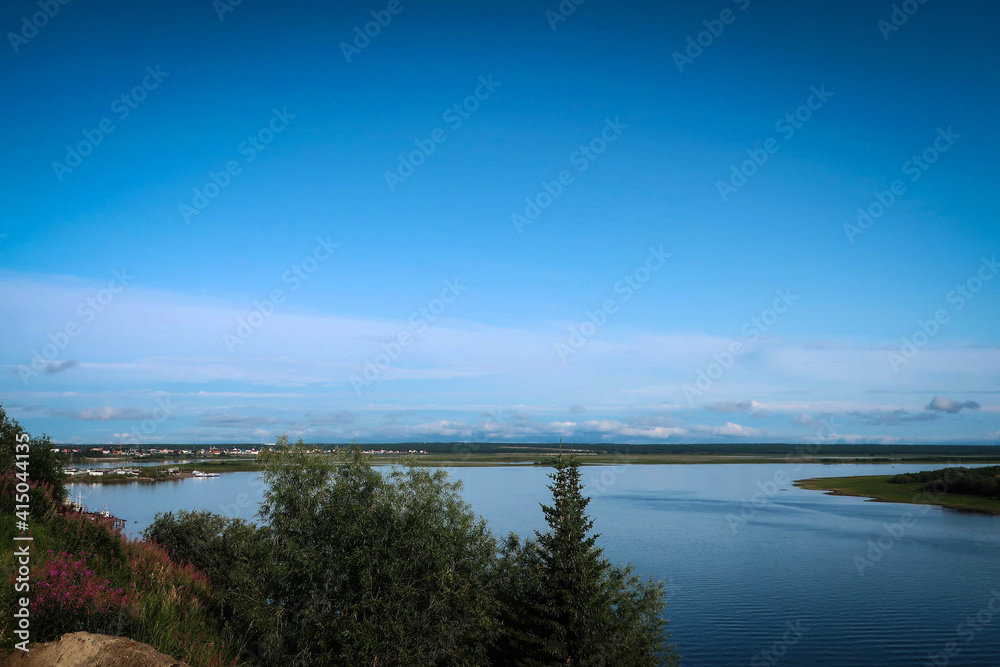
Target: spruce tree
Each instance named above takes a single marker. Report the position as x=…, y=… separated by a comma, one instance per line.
x=574, y=602
x=565, y=603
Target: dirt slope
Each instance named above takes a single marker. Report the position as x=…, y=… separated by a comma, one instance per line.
x=83, y=649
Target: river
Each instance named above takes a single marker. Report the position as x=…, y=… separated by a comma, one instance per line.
x=810, y=578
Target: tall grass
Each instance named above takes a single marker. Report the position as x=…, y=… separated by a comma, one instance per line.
x=87, y=576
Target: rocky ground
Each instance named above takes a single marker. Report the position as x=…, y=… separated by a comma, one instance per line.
x=84, y=649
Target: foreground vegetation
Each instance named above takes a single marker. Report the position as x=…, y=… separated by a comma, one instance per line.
x=973, y=489
x=86, y=576
x=354, y=566
x=350, y=565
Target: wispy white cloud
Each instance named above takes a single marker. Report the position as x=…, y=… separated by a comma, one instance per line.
x=891, y=417
x=729, y=428
x=294, y=372
x=104, y=413
x=732, y=406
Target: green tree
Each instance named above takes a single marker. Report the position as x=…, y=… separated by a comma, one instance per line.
x=44, y=463
x=565, y=603
x=191, y=537
x=372, y=568
x=235, y=556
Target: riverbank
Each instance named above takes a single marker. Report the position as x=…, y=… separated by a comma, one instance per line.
x=150, y=474
x=676, y=523
x=878, y=489
x=460, y=459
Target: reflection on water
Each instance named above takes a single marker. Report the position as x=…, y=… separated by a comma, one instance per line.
x=753, y=563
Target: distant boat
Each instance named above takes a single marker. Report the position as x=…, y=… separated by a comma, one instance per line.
x=198, y=473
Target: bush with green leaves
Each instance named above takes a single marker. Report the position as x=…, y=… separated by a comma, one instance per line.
x=376, y=569
x=44, y=463
x=235, y=556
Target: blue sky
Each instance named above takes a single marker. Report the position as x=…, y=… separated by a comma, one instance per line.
x=282, y=227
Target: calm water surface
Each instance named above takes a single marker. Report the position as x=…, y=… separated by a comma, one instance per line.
x=741, y=579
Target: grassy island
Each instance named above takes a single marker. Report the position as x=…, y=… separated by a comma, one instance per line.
x=972, y=489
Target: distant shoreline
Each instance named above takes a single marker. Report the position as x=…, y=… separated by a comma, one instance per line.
x=155, y=474
x=878, y=489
